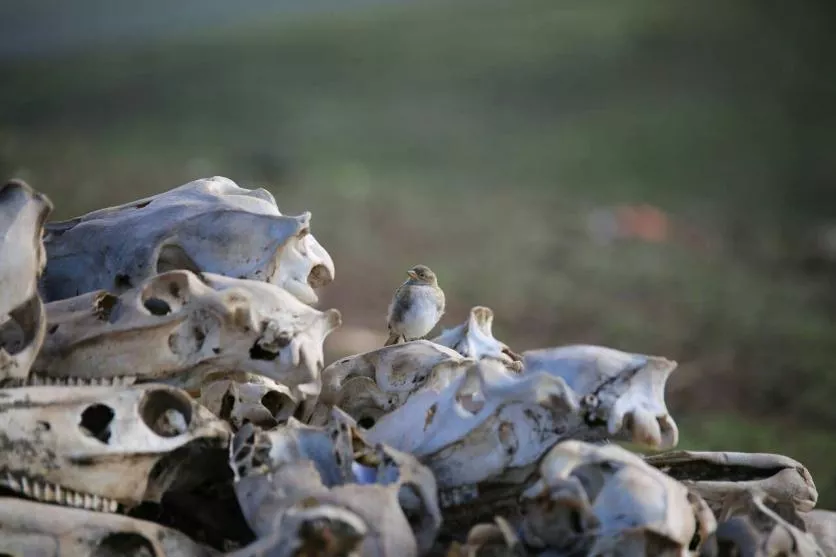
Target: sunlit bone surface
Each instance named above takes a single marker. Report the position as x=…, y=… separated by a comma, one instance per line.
x=474, y=339
x=100, y=448
x=623, y=390
x=298, y=466
x=718, y=475
x=33, y=529
x=23, y=212
x=368, y=385
x=209, y=225
x=603, y=501
x=179, y=326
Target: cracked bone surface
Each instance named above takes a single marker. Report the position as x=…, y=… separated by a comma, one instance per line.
x=623, y=390
x=209, y=225
x=474, y=339
x=368, y=385
x=178, y=327
x=604, y=500
x=36, y=529
x=752, y=524
x=719, y=475
x=100, y=448
x=332, y=475
x=23, y=212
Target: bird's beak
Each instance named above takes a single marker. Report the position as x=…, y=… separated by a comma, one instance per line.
x=412, y=274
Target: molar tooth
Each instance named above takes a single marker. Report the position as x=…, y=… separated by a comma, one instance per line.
x=78, y=500
x=37, y=490
x=96, y=503
x=12, y=481
x=24, y=486
x=112, y=506
x=48, y=492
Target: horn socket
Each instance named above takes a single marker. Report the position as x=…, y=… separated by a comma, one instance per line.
x=159, y=408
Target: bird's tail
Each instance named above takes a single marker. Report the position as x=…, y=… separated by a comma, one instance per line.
x=393, y=339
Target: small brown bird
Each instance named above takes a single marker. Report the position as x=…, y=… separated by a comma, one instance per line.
x=417, y=306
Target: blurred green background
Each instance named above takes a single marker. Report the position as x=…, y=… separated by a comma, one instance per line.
x=656, y=176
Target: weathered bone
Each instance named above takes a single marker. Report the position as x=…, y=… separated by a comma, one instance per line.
x=178, y=327
x=822, y=525
x=208, y=225
x=753, y=524
x=29, y=528
x=718, y=475
x=244, y=397
x=298, y=466
x=604, y=500
x=23, y=212
x=100, y=448
x=368, y=385
x=474, y=339
x=623, y=390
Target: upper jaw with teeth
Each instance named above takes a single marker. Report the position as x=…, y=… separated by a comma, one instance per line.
x=178, y=327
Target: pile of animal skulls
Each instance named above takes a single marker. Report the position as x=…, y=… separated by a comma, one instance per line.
x=163, y=392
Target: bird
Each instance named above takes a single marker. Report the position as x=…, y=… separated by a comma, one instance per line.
x=416, y=307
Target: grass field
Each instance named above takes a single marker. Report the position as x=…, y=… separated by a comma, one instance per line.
x=476, y=137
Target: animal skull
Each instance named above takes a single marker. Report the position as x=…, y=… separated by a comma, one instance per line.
x=622, y=390
x=239, y=398
x=23, y=212
x=752, y=524
x=489, y=540
x=482, y=434
x=368, y=385
x=718, y=475
x=208, y=225
x=300, y=467
x=98, y=447
x=604, y=500
x=29, y=528
x=179, y=326
x=474, y=339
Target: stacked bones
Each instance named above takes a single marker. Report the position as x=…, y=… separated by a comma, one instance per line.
x=164, y=394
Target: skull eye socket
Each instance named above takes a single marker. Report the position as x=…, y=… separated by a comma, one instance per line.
x=124, y=545
x=166, y=413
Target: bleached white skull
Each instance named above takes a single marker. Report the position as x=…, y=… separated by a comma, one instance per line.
x=474, y=339
x=368, y=385
x=239, y=398
x=103, y=448
x=719, y=475
x=482, y=434
x=178, y=327
x=624, y=391
x=822, y=525
x=605, y=501
x=209, y=225
x=34, y=529
x=752, y=524
x=23, y=212
x=333, y=467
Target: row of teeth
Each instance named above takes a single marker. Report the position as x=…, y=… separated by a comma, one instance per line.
x=456, y=496
x=53, y=493
x=36, y=380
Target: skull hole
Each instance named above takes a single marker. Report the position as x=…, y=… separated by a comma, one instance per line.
x=20, y=327
x=174, y=258
x=274, y=402
x=156, y=306
x=319, y=276
x=122, y=282
x=366, y=422
x=166, y=413
x=124, y=544
x=103, y=306
x=95, y=421
x=257, y=352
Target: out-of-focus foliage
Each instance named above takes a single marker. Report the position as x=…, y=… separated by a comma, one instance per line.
x=511, y=146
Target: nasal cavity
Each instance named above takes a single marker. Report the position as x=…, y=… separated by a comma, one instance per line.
x=95, y=421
